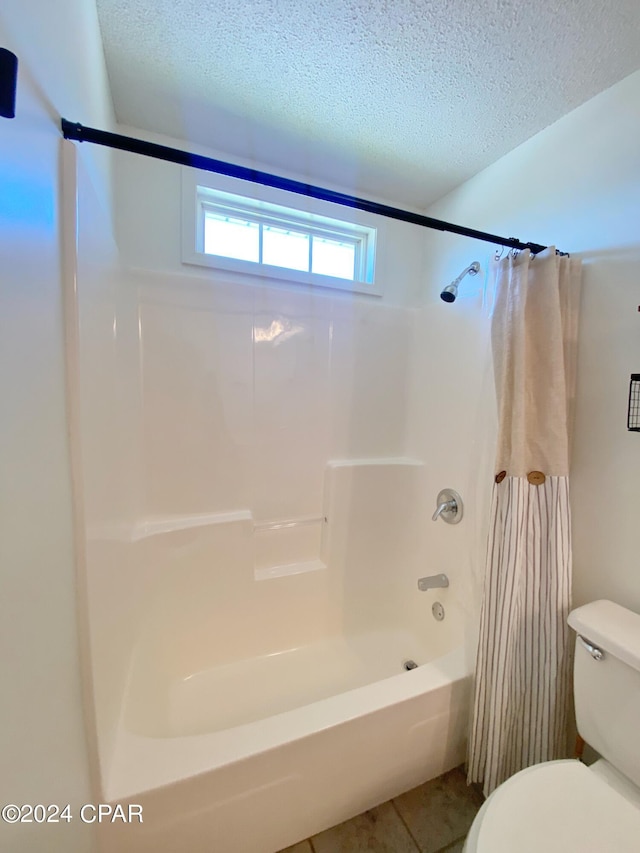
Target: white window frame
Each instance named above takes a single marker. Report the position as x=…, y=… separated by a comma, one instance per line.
x=202, y=191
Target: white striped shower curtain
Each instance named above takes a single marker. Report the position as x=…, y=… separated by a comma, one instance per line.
x=523, y=675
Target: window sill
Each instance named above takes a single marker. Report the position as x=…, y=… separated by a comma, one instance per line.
x=279, y=273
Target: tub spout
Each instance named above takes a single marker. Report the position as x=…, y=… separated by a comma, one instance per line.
x=433, y=582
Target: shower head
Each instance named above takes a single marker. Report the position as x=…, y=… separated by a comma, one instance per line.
x=451, y=290
x=449, y=293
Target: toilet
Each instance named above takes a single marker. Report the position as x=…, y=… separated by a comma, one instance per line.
x=565, y=806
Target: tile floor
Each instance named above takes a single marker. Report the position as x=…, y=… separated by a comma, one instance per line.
x=433, y=818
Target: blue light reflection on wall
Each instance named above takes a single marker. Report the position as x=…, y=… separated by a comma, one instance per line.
x=26, y=201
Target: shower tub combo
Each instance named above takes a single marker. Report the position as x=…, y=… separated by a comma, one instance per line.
x=248, y=727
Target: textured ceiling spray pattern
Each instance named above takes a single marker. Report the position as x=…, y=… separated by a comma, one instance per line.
x=406, y=99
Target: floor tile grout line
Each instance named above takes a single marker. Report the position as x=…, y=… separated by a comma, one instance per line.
x=406, y=825
x=451, y=843
x=419, y=849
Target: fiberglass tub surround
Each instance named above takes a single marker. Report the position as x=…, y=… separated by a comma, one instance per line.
x=252, y=587
x=269, y=634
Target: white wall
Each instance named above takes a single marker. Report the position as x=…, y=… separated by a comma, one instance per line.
x=43, y=750
x=575, y=185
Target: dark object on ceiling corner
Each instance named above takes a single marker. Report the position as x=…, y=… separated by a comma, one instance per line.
x=8, y=83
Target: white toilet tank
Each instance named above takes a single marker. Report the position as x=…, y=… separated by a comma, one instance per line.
x=607, y=690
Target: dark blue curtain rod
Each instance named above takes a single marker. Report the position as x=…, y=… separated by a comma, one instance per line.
x=80, y=133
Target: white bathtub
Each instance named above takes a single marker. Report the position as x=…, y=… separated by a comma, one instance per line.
x=266, y=784
x=262, y=707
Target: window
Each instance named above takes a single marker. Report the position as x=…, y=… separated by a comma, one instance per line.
x=257, y=236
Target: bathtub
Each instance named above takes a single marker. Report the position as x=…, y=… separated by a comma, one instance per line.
x=267, y=702
x=265, y=784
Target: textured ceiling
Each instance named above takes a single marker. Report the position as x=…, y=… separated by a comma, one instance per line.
x=400, y=99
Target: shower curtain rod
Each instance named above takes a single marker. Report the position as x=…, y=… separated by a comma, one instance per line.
x=80, y=133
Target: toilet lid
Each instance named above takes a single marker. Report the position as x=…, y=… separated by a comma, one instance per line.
x=558, y=807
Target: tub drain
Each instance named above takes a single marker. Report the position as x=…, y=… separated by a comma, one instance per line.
x=410, y=664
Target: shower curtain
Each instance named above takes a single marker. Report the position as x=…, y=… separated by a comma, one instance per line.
x=523, y=673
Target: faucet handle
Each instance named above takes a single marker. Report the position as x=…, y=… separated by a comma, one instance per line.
x=449, y=507
x=445, y=506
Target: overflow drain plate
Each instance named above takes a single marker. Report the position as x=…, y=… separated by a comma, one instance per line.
x=409, y=664
x=438, y=611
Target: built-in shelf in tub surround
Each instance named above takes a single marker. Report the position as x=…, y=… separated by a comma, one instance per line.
x=374, y=460
x=261, y=526
x=171, y=523
x=288, y=569
x=157, y=525
x=287, y=547
x=293, y=546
